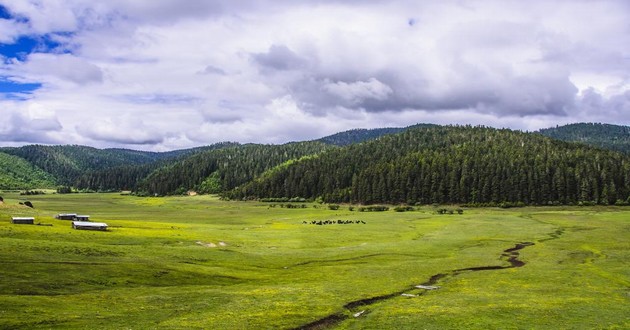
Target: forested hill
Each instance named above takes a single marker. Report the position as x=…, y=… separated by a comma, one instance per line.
x=17, y=173
x=417, y=164
x=223, y=169
x=607, y=136
x=453, y=165
x=128, y=176
x=361, y=135
x=66, y=164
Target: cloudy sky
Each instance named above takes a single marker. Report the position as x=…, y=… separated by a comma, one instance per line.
x=170, y=74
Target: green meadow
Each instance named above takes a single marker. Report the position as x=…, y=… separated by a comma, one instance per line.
x=200, y=263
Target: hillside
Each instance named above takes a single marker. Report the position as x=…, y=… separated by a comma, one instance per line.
x=361, y=134
x=223, y=169
x=128, y=176
x=607, y=136
x=19, y=174
x=417, y=164
x=66, y=164
x=453, y=165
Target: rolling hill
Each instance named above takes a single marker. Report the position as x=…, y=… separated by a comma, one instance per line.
x=223, y=169
x=473, y=165
x=17, y=173
x=606, y=136
x=67, y=164
x=417, y=164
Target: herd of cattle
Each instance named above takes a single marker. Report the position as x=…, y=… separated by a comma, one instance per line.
x=333, y=222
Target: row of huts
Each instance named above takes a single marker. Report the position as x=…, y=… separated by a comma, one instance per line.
x=78, y=221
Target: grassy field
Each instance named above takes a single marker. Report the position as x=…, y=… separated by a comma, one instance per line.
x=200, y=263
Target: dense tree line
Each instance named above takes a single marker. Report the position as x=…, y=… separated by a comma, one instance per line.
x=418, y=164
x=128, y=177
x=474, y=165
x=361, y=135
x=67, y=163
x=17, y=173
x=223, y=169
x=98, y=169
x=115, y=178
x=607, y=136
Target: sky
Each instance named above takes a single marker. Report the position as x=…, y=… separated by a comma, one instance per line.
x=169, y=74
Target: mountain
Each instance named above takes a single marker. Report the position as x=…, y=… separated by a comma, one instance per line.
x=128, y=176
x=607, y=136
x=417, y=164
x=68, y=163
x=223, y=169
x=474, y=165
x=17, y=173
x=361, y=134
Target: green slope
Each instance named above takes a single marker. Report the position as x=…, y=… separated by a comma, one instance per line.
x=127, y=177
x=216, y=170
x=607, y=136
x=362, y=135
x=453, y=165
x=17, y=173
x=68, y=163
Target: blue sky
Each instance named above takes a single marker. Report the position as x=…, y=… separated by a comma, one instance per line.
x=26, y=45
x=20, y=48
x=159, y=75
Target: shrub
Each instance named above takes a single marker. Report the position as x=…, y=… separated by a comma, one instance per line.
x=402, y=208
x=64, y=190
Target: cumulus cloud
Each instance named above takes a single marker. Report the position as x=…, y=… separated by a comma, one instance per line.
x=212, y=70
x=279, y=57
x=160, y=74
x=355, y=93
x=124, y=130
x=30, y=124
x=56, y=68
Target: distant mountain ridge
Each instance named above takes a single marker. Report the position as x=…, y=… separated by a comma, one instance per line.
x=253, y=170
x=359, y=135
x=607, y=136
x=66, y=163
x=453, y=165
x=17, y=173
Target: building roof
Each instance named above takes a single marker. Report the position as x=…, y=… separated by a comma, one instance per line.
x=22, y=218
x=89, y=224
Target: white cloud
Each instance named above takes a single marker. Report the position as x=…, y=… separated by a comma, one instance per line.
x=160, y=74
x=358, y=91
x=10, y=30
x=58, y=68
x=125, y=130
x=28, y=123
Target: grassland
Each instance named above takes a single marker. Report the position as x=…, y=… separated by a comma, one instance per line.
x=197, y=262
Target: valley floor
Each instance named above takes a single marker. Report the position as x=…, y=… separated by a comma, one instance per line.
x=198, y=262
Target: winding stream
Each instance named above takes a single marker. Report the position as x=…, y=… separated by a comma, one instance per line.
x=357, y=307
